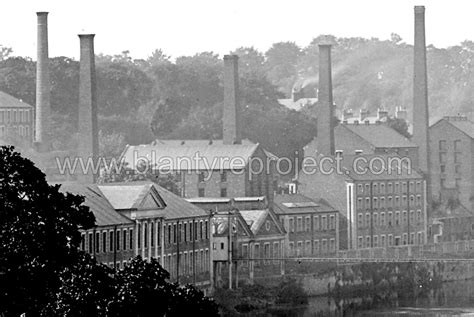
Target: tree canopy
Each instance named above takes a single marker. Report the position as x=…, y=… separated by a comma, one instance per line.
x=161, y=97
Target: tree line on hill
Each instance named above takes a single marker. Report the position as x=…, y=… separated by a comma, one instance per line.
x=158, y=97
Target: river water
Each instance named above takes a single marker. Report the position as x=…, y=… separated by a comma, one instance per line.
x=449, y=299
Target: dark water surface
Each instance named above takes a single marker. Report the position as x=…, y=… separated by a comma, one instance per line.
x=449, y=299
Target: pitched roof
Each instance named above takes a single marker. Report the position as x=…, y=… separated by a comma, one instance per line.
x=8, y=101
x=298, y=104
x=124, y=196
x=379, y=135
x=466, y=126
x=104, y=212
x=254, y=218
x=190, y=154
x=131, y=195
x=297, y=203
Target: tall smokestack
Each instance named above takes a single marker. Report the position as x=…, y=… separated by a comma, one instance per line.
x=420, y=93
x=325, y=129
x=88, y=134
x=43, y=94
x=231, y=115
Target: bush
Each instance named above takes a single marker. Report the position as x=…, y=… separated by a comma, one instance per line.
x=290, y=292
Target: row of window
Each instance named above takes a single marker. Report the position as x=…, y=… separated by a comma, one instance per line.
x=320, y=223
x=443, y=156
x=15, y=115
x=390, y=202
x=457, y=182
x=189, y=262
x=107, y=241
x=184, y=232
x=23, y=131
x=378, y=220
x=103, y=241
x=305, y=248
x=390, y=240
x=389, y=188
x=202, y=175
x=202, y=192
x=443, y=146
x=268, y=251
x=457, y=168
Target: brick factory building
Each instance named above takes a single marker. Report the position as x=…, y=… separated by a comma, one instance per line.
x=141, y=218
x=452, y=158
x=312, y=227
x=16, y=121
x=378, y=209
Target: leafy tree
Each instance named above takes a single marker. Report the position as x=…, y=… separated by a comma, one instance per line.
x=5, y=52
x=87, y=288
x=189, y=299
x=39, y=235
x=111, y=145
x=17, y=78
x=281, y=61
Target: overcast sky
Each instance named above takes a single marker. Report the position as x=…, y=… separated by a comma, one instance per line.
x=186, y=27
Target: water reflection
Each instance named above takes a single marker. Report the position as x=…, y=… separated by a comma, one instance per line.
x=450, y=298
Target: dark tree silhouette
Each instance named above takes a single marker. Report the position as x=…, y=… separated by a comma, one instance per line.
x=39, y=235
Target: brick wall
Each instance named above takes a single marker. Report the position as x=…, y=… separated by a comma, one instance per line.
x=446, y=158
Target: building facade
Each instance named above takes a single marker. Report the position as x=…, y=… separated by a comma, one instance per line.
x=140, y=218
x=16, y=121
x=364, y=138
x=380, y=207
x=312, y=227
x=452, y=160
x=112, y=240
x=203, y=168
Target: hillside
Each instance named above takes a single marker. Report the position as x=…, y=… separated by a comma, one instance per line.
x=159, y=97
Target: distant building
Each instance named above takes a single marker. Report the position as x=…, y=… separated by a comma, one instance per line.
x=450, y=223
x=383, y=207
x=16, y=120
x=369, y=139
x=303, y=94
x=257, y=243
x=312, y=227
x=364, y=116
x=452, y=160
x=256, y=234
x=223, y=170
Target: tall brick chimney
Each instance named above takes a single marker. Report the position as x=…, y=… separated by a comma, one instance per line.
x=87, y=122
x=43, y=94
x=231, y=115
x=420, y=93
x=325, y=129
